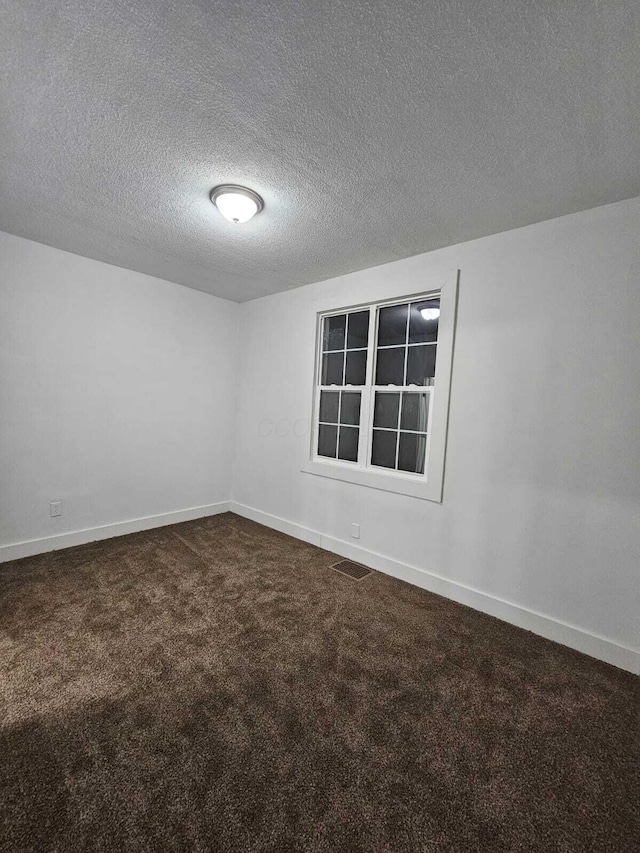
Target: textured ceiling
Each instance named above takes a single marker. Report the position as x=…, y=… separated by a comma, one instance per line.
x=374, y=130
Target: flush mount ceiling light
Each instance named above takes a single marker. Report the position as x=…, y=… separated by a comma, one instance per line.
x=237, y=204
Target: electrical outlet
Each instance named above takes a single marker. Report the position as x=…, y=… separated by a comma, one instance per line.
x=355, y=531
x=55, y=509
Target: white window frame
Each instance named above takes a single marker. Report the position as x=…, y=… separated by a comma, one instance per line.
x=427, y=486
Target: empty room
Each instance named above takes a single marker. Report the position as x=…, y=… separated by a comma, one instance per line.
x=319, y=426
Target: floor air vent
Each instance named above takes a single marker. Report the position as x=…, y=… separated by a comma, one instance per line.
x=352, y=570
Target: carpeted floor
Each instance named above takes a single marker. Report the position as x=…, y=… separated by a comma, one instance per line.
x=215, y=686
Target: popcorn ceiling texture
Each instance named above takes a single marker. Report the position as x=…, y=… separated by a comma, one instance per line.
x=373, y=130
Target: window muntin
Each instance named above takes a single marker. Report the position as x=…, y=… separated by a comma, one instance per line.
x=400, y=430
x=384, y=425
x=344, y=348
x=407, y=343
x=339, y=425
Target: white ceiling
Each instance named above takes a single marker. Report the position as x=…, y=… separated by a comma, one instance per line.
x=373, y=130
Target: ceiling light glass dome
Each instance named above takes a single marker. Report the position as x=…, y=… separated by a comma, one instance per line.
x=236, y=204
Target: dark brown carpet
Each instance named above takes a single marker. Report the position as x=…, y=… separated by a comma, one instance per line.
x=216, y=686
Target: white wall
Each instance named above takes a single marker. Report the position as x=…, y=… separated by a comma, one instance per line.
x=542, y=485
x=118, y=392
x=117, y=395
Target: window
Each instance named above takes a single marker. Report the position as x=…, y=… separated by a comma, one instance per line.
x=403, y=347
x=381, y=392
x=345, y=341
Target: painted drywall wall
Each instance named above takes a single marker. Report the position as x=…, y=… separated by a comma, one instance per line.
x=117, y=394
x=542, y=486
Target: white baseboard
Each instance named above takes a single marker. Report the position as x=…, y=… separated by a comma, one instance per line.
x=545, y=626
x=553, y=629
x=92, y=534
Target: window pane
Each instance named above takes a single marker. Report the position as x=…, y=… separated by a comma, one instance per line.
x=329, y=401
x=332, y=364
x=411, y=452
x=415, y=411
x=356, y=367
x=334, y=332
x=383, y=451
x=348, y=448
x=358, y=330
x=423, y=321
x=421, y=364
x=390, y=366
x=350, y=411
x=385, y=413
x=327, y=440
x=392, y=325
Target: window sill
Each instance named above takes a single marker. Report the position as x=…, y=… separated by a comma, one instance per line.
x=401, y=484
